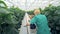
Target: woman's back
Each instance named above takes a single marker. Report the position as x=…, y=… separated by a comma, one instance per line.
x=42, y=24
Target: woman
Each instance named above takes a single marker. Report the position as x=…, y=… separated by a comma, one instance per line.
x=41, y=22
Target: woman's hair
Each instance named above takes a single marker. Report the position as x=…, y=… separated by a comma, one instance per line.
x=36, y=11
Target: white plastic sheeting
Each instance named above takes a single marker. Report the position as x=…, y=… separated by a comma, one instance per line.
x=25, y=29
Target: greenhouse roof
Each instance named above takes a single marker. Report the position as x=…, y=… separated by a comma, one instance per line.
x=31, y=4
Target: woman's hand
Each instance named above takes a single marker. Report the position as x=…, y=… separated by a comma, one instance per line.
x=28, y=24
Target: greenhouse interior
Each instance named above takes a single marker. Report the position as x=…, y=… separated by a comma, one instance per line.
x=29, y=16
